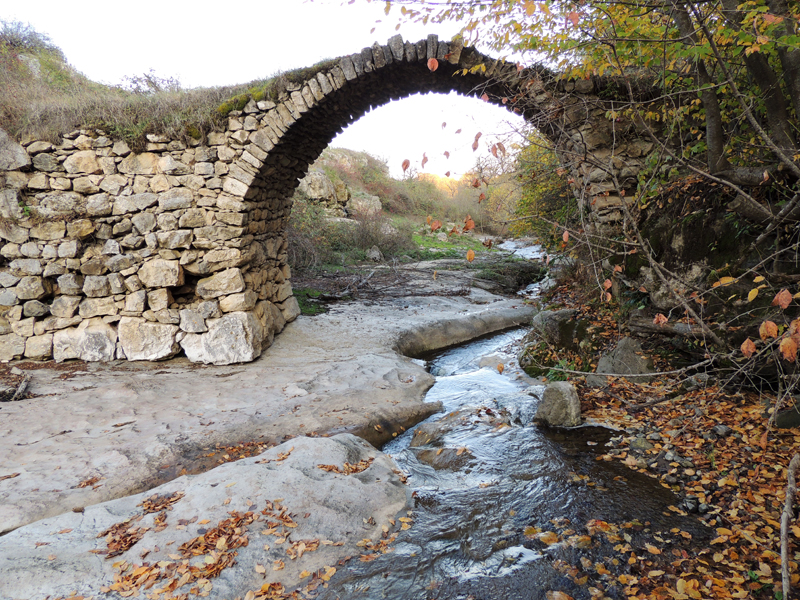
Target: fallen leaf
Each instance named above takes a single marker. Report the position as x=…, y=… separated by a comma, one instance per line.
x=433, y=64
x=782, y=299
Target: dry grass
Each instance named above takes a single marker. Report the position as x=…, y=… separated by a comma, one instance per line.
x=42, y=97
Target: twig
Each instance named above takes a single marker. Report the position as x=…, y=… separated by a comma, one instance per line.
x=629, y=375
x=786, y=516
x=23, y=385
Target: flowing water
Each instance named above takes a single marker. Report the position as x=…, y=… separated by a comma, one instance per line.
x=481, y=475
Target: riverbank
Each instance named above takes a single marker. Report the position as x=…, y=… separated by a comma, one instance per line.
x=713, y=447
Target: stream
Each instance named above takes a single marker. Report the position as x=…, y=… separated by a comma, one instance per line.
x=481, y=475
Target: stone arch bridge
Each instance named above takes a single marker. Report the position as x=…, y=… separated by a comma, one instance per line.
x=109, y=254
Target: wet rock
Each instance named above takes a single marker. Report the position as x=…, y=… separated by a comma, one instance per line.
x=324, y=505
x=625, y=359
x=560, y=406
x=640, y=444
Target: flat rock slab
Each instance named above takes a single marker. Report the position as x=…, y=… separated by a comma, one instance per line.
x=257, y=522
x=122, y=428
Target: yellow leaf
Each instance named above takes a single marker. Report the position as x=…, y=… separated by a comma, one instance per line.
x=726, y=280
x=260, y=569
x=758, y=279
x=652, y=549
x=752, y=295
x=470, y=255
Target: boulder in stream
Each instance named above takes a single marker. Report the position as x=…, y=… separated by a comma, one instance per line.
x=560, y=406
x=300, y=506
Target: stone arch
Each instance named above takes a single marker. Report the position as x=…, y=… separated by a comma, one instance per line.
x=184, y=247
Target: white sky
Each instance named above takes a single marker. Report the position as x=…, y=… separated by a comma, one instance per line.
x=205, y=43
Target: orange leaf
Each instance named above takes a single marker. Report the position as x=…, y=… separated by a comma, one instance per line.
x=574, y=17
x=748, y=348
x=788, y=349
x=617, y=269
x=424, y=159
x=500, y=368
x=608, y=297
x=768, y=329
x=406, y=164
x=458, y=130
x=782, y=299
x=446, y=154
x=470, y=255
x=660, y=320
x=481, y=198
x=485, y=97
x=494, y=150
x=447, y=174
x=429, y=219
x=469, y=224
x=501, y=148
x=565, y=236
x=433, y=64
x=476, y=183
x=607, y=284
x=652, y=549
x=474, y=145
x=444, y=124
x=437, y=224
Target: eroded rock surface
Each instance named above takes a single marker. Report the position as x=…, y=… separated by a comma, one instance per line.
x=292, y=515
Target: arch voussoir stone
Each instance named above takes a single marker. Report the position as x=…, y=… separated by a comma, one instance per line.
x=110, y=255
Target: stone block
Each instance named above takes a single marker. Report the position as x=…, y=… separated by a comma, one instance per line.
x=243, y=301
x=65, y=306
x=92, y=341
x=145, y=163
x=39, y=347
x=229, y=281
x=159, y=299
x=96, y=286
x=8, y=297
x=11, y=345
x=181, y=238
x=237, y=337
x=135, y=302
x=99, y=205
x=70, y=284
x=161, y=273
x=192, y=321
x=175, y=198
x=84, y=161
x=97, y=307
x=13, y=233
x=134, y=203
x=25, y=266
x=51, y=230
x=12, y=155
x=142, y=340
x=80, y=229
x=33, y=288
x=69, y=249
x=34, y=308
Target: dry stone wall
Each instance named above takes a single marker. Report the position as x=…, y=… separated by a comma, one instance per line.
x=110, y=254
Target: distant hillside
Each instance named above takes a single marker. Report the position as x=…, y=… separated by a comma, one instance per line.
x=42, y=96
